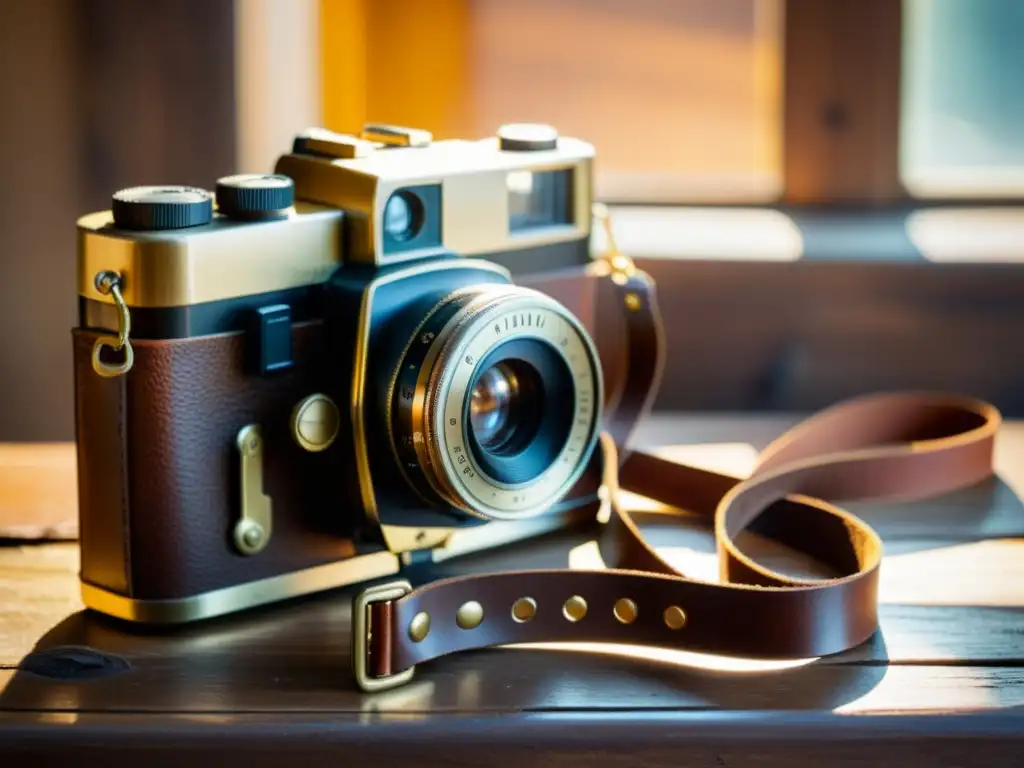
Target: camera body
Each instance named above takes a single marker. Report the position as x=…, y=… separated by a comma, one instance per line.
x=314, y=377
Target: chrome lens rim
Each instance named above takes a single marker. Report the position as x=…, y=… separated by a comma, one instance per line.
x=491, y=318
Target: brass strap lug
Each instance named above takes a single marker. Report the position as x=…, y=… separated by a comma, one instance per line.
x=613, y=262
x=362, y=632
x=252, y=531
x=109, y=284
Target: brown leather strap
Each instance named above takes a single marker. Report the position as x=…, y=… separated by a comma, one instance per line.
x=889, y=446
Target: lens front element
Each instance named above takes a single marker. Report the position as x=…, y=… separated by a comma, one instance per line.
x=495, y=405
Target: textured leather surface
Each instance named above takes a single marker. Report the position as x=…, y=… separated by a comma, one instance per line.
x=102, y=456
x=181, y=407
x=887, y=446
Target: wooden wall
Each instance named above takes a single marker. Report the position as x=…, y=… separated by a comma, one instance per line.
x=99, y=95
x=94, y=96
x=795, y=336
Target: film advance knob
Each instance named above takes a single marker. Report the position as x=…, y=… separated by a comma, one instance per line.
x=527, y=137
x=161, y=207
x=255, y=195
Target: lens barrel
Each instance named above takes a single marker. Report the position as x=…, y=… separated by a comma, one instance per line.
x=495, y=406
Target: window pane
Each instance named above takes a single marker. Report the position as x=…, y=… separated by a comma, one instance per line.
x=681, y=99
x=963, y=98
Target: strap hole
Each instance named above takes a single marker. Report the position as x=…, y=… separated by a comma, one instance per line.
x=523, y=609
x=575, y=608
x=625, y=611
x=675, y=617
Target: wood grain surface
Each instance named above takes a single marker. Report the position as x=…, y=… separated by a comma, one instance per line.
x=942, y=683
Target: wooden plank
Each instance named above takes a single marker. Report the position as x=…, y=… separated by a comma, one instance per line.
x=841, y=109
x=316, y=679
x=38, y=588
x=584, y=739
x=38, y=491
x=947, y=604
x=952, y=613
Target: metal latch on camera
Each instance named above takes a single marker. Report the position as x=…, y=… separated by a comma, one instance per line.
x=252, y=531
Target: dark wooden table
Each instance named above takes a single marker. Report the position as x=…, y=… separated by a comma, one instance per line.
x=943, y=683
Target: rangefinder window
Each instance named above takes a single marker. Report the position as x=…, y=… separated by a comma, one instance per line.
x=539, y=199
x=412, y=219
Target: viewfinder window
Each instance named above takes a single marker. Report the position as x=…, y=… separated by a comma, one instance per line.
x=539, y=199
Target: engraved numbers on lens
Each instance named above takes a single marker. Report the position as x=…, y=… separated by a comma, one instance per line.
x=460, y=460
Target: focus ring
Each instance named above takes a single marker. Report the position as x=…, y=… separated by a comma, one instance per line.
x=421, y=349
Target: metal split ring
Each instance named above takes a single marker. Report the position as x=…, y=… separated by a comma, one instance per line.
x=109, y=283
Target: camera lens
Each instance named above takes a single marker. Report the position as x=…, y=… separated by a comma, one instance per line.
x=505, y=407
x=403, y=216
x=494, y=404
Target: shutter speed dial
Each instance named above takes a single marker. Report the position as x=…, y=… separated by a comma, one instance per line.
x=161, y=207
x=255, y=195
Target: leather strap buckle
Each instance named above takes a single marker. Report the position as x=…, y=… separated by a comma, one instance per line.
x=363, y=631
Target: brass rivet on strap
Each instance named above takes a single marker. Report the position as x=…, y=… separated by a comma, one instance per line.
x=625, y=611
x=675, y=617
x=469, y=615
x=523, y=609
x=575, y=608
x=632, y=302
x=419, y=626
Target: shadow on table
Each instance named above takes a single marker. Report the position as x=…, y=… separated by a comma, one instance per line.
x=295, y=658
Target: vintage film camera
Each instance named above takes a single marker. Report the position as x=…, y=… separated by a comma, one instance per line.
x=311, y=378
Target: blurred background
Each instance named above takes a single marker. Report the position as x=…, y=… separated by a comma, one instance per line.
x=827, y=192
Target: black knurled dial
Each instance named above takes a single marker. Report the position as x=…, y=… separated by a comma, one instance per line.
x=255, y=195
x=161, y=207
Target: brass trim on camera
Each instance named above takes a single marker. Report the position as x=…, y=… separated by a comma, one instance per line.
x=366, y=491
x=224, y=259
x=239, y=597
x=474, y=180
